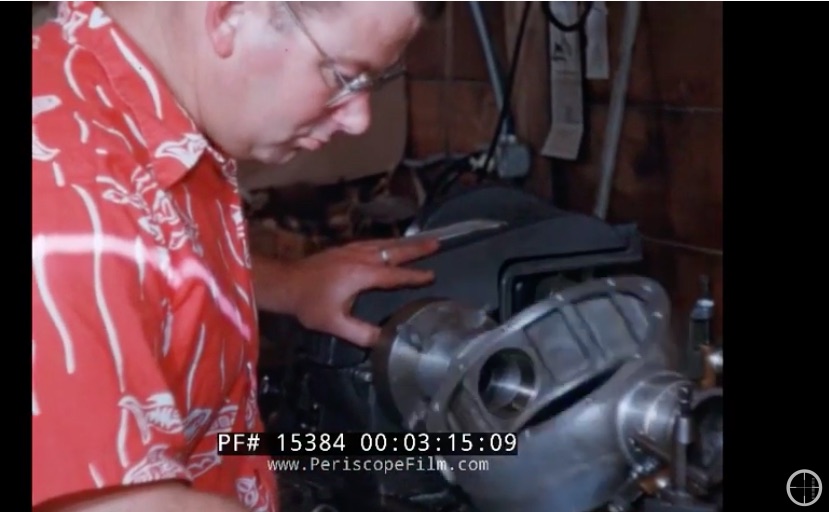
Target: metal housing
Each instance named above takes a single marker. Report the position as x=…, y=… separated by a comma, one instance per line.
x=582, y=376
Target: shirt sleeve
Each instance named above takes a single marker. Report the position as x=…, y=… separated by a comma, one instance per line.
x=103, y=414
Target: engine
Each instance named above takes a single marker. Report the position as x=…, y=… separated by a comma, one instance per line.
x=588, y=379
x=531, y=327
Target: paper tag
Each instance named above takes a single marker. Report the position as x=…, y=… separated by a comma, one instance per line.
x=597, y=56
x=567, y=128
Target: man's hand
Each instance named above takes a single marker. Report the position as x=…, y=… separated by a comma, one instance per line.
x=320, y=290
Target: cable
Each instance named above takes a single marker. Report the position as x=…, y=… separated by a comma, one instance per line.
x=449, y=175
x=577, y=26
x=505, y=109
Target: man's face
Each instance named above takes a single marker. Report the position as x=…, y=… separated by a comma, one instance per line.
x=263, y=92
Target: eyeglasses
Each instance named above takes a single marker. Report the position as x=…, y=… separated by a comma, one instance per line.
x=346, y=87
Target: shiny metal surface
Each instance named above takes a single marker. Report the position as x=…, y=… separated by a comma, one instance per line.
x=715, y=360
x=580, y=376
x=649, y=408
x=416, y=350
x=707, y=445
x=572, y=462
x=455, y=230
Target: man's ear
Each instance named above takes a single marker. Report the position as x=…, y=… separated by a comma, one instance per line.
x=223, y=20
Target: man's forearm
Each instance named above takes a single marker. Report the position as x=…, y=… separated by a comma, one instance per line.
x=186, y=500
x=272, y=282
x=160, y=497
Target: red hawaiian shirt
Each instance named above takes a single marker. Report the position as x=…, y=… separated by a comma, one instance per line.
x=144, y=342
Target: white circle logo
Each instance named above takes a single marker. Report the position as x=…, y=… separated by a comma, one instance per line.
x=804, y=488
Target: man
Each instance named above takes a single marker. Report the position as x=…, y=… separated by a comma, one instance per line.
x=144, y=341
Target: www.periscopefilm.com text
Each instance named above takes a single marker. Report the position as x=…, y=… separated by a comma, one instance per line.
x=385, y=465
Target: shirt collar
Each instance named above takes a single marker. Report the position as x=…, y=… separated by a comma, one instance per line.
x=172, y=139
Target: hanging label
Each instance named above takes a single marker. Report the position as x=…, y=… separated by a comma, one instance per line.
x=567, y=128
x=597, y=57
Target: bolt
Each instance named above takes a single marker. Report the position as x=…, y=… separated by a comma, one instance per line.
x=685, y=398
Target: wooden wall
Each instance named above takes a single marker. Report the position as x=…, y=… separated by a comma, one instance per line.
x=452, y=108
x=669, y=166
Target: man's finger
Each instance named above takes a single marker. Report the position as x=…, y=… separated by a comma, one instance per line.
x=355, y=331
x=403, y=251
x=398, y=277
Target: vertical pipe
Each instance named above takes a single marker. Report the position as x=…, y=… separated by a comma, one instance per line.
x=495, y=76
x=617, y=108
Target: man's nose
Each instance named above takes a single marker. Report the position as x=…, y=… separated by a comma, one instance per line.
x=354, y=117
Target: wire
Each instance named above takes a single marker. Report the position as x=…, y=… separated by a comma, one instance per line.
x=505, y=108
x=577, y=26
x=452, y=172
x=449, y=175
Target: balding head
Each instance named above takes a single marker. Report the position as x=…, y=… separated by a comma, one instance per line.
x=258, y=77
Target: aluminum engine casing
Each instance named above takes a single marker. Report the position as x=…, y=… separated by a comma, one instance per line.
x=578, y=375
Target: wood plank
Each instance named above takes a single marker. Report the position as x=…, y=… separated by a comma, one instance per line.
x=427, y=126
x=677, y=57
x=466, y=52
x=668, y=174
x=426, y=55
x=472, y=115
